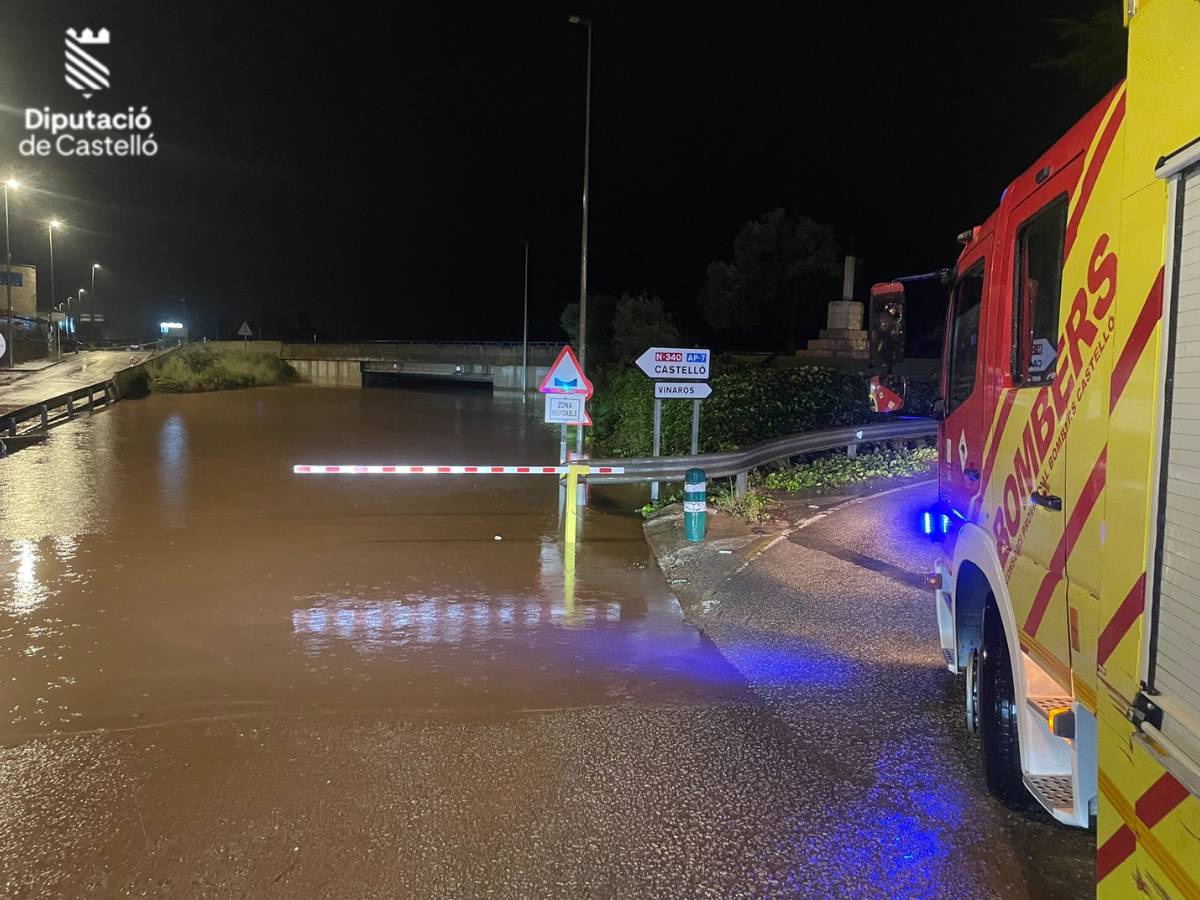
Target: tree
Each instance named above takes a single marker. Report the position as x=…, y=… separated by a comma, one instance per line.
x=619, y=328
x=774, y=290
x=1092, y=48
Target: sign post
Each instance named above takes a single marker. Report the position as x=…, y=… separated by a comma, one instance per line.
x=567, y=391
x=245, y=333
x=676, y=363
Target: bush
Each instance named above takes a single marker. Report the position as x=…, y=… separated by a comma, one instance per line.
x=839, y=468
x=748, y=405
x=199, y=367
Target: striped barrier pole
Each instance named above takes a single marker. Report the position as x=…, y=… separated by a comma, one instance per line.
x=318, y=469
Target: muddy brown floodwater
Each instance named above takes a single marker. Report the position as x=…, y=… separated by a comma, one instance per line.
x=160, y=562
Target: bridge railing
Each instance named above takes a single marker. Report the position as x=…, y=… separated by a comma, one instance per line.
x=738, y=463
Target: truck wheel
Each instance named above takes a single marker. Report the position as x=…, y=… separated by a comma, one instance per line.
x=998, y=715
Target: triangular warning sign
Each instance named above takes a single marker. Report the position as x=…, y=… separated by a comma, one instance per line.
x=566, y=376
x=245, y=331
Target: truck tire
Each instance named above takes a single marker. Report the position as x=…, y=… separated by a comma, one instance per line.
x=998, y=715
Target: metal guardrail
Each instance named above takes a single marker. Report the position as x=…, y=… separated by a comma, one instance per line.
x=645, y=469
x=62, y=407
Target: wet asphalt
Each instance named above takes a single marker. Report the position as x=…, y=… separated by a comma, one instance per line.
x=830, y=761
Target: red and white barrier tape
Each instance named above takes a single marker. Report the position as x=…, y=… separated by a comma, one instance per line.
x=448, y=470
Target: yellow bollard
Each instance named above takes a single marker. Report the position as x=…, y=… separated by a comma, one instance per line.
x=573, y=473
x=569, y=582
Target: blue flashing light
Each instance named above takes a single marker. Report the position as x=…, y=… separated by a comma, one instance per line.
x=927, y=522
x=945, y=524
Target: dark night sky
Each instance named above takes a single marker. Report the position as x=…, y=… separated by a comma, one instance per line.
x=378, y=171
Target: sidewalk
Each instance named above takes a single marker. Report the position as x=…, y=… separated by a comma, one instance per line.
x=24, y=370
x=696, y=571
x=27, y=387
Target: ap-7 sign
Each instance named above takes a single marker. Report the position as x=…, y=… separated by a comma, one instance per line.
x=675, y=362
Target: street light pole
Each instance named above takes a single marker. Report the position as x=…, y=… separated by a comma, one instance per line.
x=525, y=331
x=50, y=226
x=583, y=252
x=8, y=350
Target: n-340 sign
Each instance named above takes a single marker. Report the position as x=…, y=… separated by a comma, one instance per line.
x=675, y=362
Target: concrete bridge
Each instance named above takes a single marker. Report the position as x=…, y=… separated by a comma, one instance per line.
x=350, y=365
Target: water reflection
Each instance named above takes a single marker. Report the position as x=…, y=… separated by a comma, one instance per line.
x=172, y=470
x=28, y=592
x=371, y=627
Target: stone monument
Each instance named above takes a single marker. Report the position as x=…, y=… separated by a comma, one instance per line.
x=844, y=334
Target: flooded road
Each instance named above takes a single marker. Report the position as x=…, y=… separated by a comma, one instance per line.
x=161, y=562
x=218, y=679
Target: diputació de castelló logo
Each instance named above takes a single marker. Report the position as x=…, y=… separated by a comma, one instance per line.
x=89, y=133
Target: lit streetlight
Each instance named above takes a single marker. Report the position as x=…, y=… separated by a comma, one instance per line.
x=12, y=184
x=583, y=243
x=50, y=227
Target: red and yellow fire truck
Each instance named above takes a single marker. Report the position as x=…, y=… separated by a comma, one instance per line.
x=1068, y=585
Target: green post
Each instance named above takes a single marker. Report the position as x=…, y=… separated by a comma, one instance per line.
x=695, y=505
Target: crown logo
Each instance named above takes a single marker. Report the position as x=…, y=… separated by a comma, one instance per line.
x=85, y=72
x=86, y=36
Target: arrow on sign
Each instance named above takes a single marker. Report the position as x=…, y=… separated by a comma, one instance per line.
x=681, y=390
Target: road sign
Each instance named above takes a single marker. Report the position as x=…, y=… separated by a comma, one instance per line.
x=1042, y=356
x=566, y=376
x=681, y=390
x=675, y=362
x=245, y=330
x=567, y=409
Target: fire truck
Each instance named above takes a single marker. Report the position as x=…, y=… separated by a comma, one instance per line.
x=1067, y=584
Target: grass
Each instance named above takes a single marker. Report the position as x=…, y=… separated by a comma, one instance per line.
x=752, y=507
x=199, y=367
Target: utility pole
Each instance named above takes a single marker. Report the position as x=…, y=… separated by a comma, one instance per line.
x=525, y=332
x=583, y=252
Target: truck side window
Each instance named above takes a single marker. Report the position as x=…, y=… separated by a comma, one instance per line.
x=1037, y=269
x=964, y=348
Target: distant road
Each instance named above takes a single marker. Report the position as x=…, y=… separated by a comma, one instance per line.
x=76, y=370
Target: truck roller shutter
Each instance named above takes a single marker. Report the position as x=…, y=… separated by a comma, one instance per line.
x=1171, y=702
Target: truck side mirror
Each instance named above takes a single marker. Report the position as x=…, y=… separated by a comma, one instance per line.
x=937, y=409
x=886, y=340
x=887, y=393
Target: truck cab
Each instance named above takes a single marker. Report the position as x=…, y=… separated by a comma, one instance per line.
x=1067, y=585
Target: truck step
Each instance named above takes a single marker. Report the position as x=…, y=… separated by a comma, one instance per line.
x=1052, y=791
x=1059, y=713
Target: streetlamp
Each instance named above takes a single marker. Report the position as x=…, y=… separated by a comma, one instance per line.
x=95, y=266
x=50, y=226
x=583, y=243
x=11, y=184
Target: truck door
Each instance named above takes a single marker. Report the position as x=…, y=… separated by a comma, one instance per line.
x=960, y=435
x=1028, y=485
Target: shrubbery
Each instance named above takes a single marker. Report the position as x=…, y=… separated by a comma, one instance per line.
x=835, y=469
x=199, y=367
x=749, y=404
